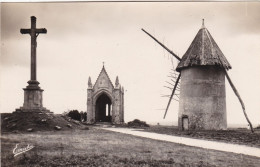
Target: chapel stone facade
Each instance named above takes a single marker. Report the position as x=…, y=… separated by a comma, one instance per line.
x=105, y=102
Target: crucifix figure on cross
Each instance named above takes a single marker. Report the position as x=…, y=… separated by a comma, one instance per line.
x=34, y=32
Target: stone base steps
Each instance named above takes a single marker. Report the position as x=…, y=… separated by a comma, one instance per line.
x=35, y=110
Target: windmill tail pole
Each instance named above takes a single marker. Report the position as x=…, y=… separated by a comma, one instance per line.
x=175, y=86
x=238, y=96
x=177, y=57
x=240, y=100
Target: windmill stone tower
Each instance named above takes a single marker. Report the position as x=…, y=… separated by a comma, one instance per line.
x=202, y=102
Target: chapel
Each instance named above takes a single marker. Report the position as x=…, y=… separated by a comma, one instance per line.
x=105, y=102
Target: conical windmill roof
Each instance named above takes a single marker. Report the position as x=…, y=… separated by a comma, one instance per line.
x=203, y=51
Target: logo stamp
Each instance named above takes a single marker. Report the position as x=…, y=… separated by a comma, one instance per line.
x=17, y=151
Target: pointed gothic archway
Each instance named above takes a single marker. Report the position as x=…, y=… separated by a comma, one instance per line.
x=103, y=108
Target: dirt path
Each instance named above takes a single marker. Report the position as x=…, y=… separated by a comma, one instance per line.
x=234, y=148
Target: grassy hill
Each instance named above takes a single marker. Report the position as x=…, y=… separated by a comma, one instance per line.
x=23, y=122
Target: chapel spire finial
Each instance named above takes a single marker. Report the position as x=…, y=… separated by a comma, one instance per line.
x=203, y=26
x=117, y=81
x=89, y=83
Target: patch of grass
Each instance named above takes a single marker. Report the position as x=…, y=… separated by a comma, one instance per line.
x=236, y=136
x=87, y=160
x=97, y=147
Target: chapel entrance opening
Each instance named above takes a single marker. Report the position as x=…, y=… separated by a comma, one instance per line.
x=103, y=108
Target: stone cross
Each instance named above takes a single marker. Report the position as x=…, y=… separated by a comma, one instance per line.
x=34, y=32
x=32, y=92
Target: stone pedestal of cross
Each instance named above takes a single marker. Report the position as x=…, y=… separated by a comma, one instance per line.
x=33, y=93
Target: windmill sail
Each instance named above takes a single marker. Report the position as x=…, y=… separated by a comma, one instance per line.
x=173, y=91
x=174, y=78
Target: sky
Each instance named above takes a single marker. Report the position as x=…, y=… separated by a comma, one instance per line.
x=81, y=36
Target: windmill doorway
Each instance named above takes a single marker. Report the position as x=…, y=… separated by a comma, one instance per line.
x=185, y=122
x=103, y=109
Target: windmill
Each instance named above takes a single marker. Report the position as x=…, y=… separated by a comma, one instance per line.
x=203, y=69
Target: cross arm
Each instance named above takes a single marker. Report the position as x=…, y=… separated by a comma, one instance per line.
x=25, y=31
x=41, y=30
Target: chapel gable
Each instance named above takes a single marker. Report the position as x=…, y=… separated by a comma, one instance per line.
x=103, y=82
